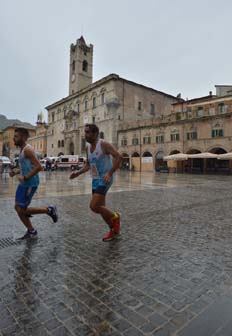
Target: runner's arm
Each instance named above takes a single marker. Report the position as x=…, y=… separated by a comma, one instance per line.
x=82, y=170
x=111, y=150
x=14, y=171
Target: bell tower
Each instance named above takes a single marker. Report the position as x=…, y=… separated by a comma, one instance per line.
x=81, y=66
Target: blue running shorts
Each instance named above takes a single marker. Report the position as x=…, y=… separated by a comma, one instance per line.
x=100, y=187
x=24, y=195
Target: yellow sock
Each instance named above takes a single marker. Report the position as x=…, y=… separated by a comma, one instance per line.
x=115, y=216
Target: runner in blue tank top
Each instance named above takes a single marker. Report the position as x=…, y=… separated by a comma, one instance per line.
x=29, y=167
x=99, y=162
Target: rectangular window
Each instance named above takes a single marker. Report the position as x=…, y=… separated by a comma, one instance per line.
x=175, y=137
x=103, y=98
x=86, y=105
x=159, y=138
x=135, y=141
x=124, y=142
x=152, y=109
x=93, y=120
x=222, y=108
x=178, y=116
x=78, y=108
x=139, y=105
x=216, y=133
x=94, y=102
x=146, y=140
x=200, y=112
x=189, y=112
x=192, y=135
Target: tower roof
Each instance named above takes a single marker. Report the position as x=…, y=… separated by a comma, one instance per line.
x=82, y=40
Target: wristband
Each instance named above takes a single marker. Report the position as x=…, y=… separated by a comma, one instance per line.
x=25, y=178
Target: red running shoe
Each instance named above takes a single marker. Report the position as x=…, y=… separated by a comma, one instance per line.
x=116, y=221
x=109, y=236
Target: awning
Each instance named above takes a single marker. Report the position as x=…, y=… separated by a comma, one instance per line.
x=205, y=155
x=176, y=157
x=226, y=156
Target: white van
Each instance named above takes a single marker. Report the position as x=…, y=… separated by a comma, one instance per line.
x=67, y=161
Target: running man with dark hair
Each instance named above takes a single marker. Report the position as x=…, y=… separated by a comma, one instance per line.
x=99, y=153
x=29, y=167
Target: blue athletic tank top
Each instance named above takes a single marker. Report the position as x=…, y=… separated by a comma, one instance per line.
x=100, y=163
x=26, y=167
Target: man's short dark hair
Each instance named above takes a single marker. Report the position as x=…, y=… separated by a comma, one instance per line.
x=22, y=131
x=93, y=128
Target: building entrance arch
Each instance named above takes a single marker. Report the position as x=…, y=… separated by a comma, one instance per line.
x=147, y=161
x=125, y=161
x=135, y=161
x=160, y=164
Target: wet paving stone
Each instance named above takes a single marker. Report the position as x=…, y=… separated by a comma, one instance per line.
x=133, y=332
x=61, y=331
x=13, y=329
x=168, y=274
x=52, y=324
x=122, y=325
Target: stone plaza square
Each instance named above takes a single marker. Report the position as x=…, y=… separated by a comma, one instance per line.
x=169, y=273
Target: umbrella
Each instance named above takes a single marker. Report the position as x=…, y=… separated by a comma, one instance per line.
x=176, y=157
x=205, y=155
x=226, y=156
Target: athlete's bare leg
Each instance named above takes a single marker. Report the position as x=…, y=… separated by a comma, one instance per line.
x=97, y=205
x=24, y=217
x=24, y=214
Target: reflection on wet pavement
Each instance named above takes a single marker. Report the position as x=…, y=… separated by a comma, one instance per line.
x=58, y=183
x=169, y=273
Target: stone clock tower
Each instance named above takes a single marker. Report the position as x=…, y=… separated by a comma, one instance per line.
x=81, y=66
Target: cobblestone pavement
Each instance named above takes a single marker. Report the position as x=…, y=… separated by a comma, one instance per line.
x=169, y=273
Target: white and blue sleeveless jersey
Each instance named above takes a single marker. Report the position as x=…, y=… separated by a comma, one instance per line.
x=100, y=163
x=26, y=167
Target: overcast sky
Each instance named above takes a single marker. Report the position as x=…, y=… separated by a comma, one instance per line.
x=171, y=45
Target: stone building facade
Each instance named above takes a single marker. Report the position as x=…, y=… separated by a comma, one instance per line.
x=8, y=147
x=108, y=102
x=194, y=126
x=39, y=140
